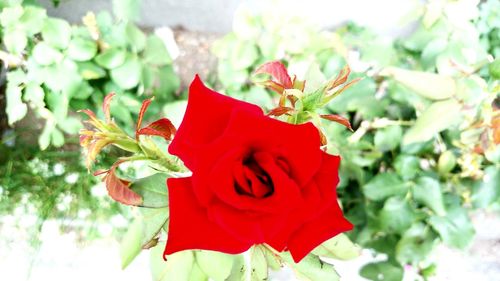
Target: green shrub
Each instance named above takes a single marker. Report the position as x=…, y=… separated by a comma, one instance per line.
x=422, y=152
x=55, y=68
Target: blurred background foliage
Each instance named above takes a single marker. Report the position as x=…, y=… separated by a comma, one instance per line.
x=422, y=157
x=50, y=70
x=422, y=154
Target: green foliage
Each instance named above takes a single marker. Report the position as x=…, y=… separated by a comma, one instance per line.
x=50, y=184
x=418, y=115
x=60, y=68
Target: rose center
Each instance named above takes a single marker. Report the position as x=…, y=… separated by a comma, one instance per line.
x=253, y=180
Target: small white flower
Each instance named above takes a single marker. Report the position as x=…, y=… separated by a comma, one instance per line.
x=58, y=169
x=72, y=178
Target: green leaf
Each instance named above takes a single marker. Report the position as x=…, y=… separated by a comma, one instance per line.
x=32, y=19
x=111, y=58
x=382, y=271
x=178, y=267
x=416, y=244
x=56, y=32
x=15, y=41
x=153, y=220
x=388, y=138
x=396, y=215
x=10, y=15
x=168, y=80
x=383, y=186
x=128, y=10
x=153, y=190
x=273, y=260
x=62, y=77
x=437, y=117
x=215, y=265
x=455, y=229
x=243, y=55
x=58, y=103
x=131, y=243
x=258, y=262
x=136, y=37
x=148, y=78
x=486, y=191
x=430, y=85
x=156, y=52
x=433, y=50
x=238, y=271
x=446, y=162
x=57, y=138
x=407, y=166
x=128, y=75
x=44, y=54
x=81, y=49
x=494, y=68
x=83, y=92
x=427, y=191
x=34, y=95
x=70, y=125
x=15, y=108
x=339, y=247
x=230, y=77
x=174, y=111
x=311, y=268
x=45, y=137
x=90, y=71
x=359, y=98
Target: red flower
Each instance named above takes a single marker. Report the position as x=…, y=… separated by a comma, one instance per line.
x=255, y=180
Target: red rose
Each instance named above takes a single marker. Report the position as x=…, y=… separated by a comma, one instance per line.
x=255, y=180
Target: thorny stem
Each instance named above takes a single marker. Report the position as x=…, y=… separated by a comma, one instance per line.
x=376, y=124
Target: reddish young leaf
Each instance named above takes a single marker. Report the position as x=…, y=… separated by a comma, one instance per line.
x=144, y=107
x=348, y=85
x=299, y=84
x=278, y=88
x=495, y=124
x=105, y=106
x=322, y=138
x=278, y=71
x=278, y=111
x=94, y=147
x=119, y=190
x=341, y=77
x=89, y=113
x=339, y=119
x=162, y=127
x=85, y=140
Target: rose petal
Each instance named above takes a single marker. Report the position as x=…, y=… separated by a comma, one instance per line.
x=190, y=227
x=222, y=179
x=315, y=232
x=330, y=220
x=161, y=127
x=249, y=226
x=295, y=144
x=327, y=179
x=318, y=196
x=206, y=117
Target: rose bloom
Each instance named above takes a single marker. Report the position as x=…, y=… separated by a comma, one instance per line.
x=254, y=180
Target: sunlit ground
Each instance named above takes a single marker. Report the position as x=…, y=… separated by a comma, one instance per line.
x=65, y=256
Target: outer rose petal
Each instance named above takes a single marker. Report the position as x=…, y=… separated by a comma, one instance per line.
x=315, y=232
x=297, y=145
x=330, y=221
x=190, y=227
x=206, y=117
x=319, y=197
